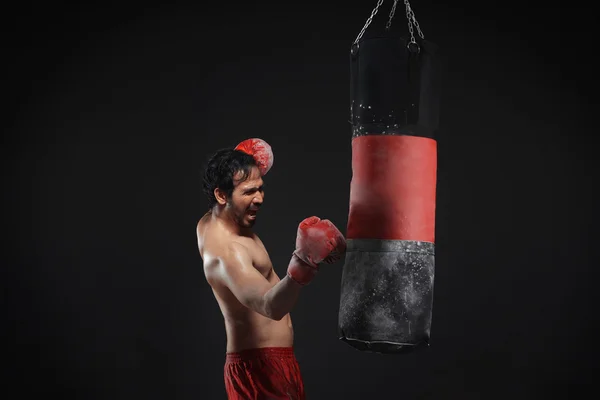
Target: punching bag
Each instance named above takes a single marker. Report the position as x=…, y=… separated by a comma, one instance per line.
x=387, y=282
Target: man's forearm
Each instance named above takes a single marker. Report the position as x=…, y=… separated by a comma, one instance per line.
x=282, y=297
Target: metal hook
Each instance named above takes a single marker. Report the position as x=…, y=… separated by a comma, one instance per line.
x=415, y=48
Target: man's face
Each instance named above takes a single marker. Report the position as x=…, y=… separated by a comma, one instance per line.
x=247, y=197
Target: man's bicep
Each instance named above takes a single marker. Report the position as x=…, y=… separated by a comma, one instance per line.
x=242, y=279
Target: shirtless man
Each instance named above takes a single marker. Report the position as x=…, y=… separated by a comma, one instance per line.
x=260, y=363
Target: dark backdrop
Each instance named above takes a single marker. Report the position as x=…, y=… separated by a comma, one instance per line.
x=112, y=110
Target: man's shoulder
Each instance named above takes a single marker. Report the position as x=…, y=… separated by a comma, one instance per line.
x=225, y=259
x=219, y=248
x=202, y=222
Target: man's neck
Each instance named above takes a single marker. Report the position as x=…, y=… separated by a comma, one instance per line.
x=223, y=215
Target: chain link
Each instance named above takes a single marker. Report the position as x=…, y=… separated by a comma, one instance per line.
x=369, y=20
x=410, y=15
x=389, y=23
x=410, y=25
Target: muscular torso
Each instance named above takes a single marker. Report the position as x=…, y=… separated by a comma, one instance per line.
x=244, y=327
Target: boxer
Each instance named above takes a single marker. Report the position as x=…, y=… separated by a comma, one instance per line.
x=260, y=363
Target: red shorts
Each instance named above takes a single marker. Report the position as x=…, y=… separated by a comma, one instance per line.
x=263, y=374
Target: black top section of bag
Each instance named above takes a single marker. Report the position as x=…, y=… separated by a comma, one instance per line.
x=395, y=86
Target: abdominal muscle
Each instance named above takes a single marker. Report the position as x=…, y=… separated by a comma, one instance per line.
x=247, y=329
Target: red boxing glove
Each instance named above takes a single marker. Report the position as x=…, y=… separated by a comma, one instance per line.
x=260, y=150
x=317, y=241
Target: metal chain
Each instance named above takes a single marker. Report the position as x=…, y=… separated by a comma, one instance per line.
x=410, y=26
x=389, y=23
x=410, y=15
x=369, y=20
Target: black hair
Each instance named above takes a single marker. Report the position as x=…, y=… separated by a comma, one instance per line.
x=220, y=169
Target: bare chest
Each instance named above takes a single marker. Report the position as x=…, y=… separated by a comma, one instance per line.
x=211, y=241
x=260, y=257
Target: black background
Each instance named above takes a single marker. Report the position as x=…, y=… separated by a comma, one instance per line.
x=112, y=110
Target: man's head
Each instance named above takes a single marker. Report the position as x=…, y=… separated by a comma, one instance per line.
x=233, y=183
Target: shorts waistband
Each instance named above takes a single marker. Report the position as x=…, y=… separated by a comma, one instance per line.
x=269, y=352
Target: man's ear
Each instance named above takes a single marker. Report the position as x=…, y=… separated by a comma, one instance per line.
x=220, y=196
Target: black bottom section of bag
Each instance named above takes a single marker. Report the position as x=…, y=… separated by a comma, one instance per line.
x=387, y=295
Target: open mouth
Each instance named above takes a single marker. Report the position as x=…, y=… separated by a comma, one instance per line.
x=252, y=214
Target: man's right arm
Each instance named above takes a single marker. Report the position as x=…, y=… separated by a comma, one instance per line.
x=317, y=241
x=235, y=270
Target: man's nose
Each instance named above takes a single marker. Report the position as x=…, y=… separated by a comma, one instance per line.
x=258, y=198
